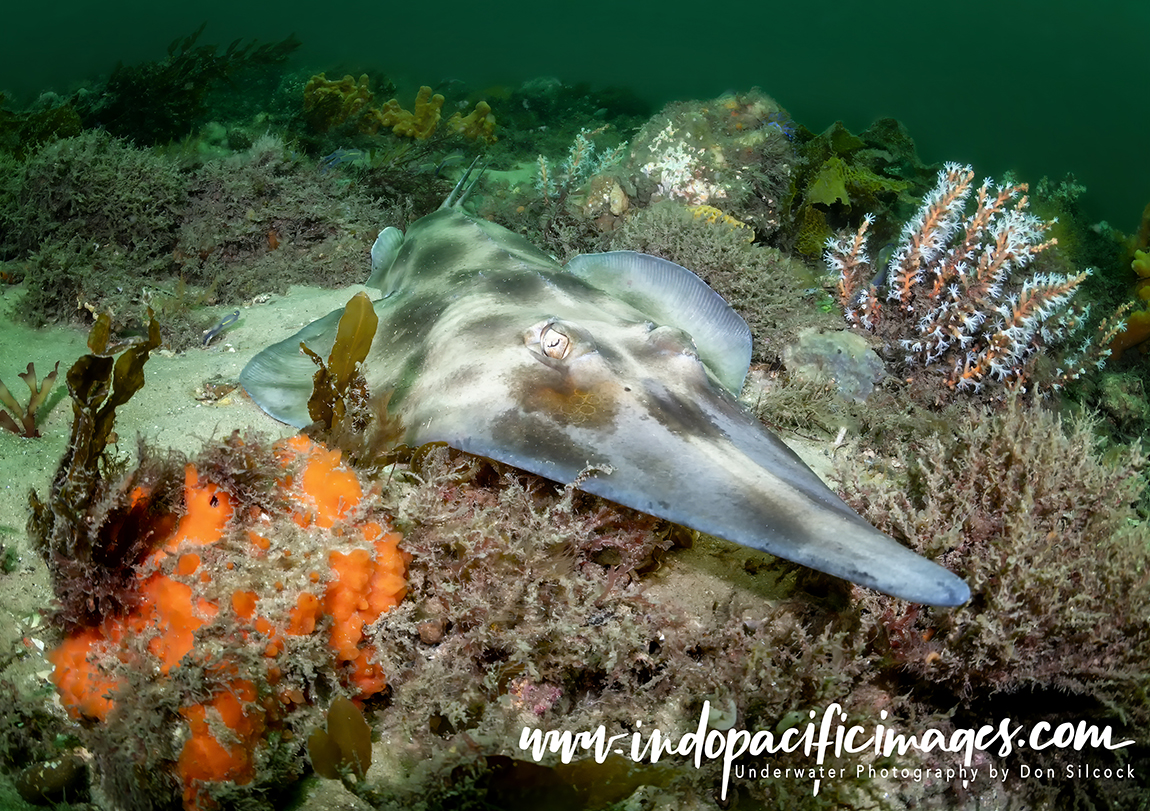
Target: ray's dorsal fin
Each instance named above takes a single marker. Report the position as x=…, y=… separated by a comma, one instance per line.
x=385, y=250
x=383, y=254
x=672, y=295
x=465, y=186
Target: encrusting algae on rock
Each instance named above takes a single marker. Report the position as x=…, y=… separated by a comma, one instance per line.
x=253, y=603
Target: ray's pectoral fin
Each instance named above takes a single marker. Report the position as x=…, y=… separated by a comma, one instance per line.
x=713, y=467
x=283, y=379
x=671, y=295
x=384, y=252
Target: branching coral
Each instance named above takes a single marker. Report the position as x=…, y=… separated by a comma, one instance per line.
x=958, y=304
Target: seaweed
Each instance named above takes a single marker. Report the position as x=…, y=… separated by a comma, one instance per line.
x=21, y=133
x=842, y=175
x=263, y=219
x=26, y=415
x=176, y=89
x=339, y=379
x=344, y=748
x=93, y=528
x=98, y=189
x=1039, y=518
x=344, y=413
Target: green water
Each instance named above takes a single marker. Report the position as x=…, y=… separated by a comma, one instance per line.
x=1041, y=88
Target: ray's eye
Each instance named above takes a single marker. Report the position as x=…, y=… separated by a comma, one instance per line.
x=554, y=343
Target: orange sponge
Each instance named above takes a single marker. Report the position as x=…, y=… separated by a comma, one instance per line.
x=304, y=615
x=1136, y=331
x=327, y=490
x=84, y=690
x=204, y=757
x=182, y=587
x=171, y=609
x=365, y=585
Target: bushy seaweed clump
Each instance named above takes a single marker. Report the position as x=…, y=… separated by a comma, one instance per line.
x=9, y=206
x=176, y=90
x=1041, y=524
x=527, y=607
x=35, y=748
x=50, y=118
x=105, y=225
x=279, y=219
x=100, y=189
x=94, y=215
x=91, y=532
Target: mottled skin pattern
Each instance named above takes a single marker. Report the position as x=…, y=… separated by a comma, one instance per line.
x=493, y=348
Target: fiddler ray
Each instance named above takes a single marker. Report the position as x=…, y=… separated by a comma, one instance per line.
x=621, y=363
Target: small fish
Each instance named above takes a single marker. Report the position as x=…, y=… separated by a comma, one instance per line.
x=224, y=323
x=619, y=364
x=339, y=158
